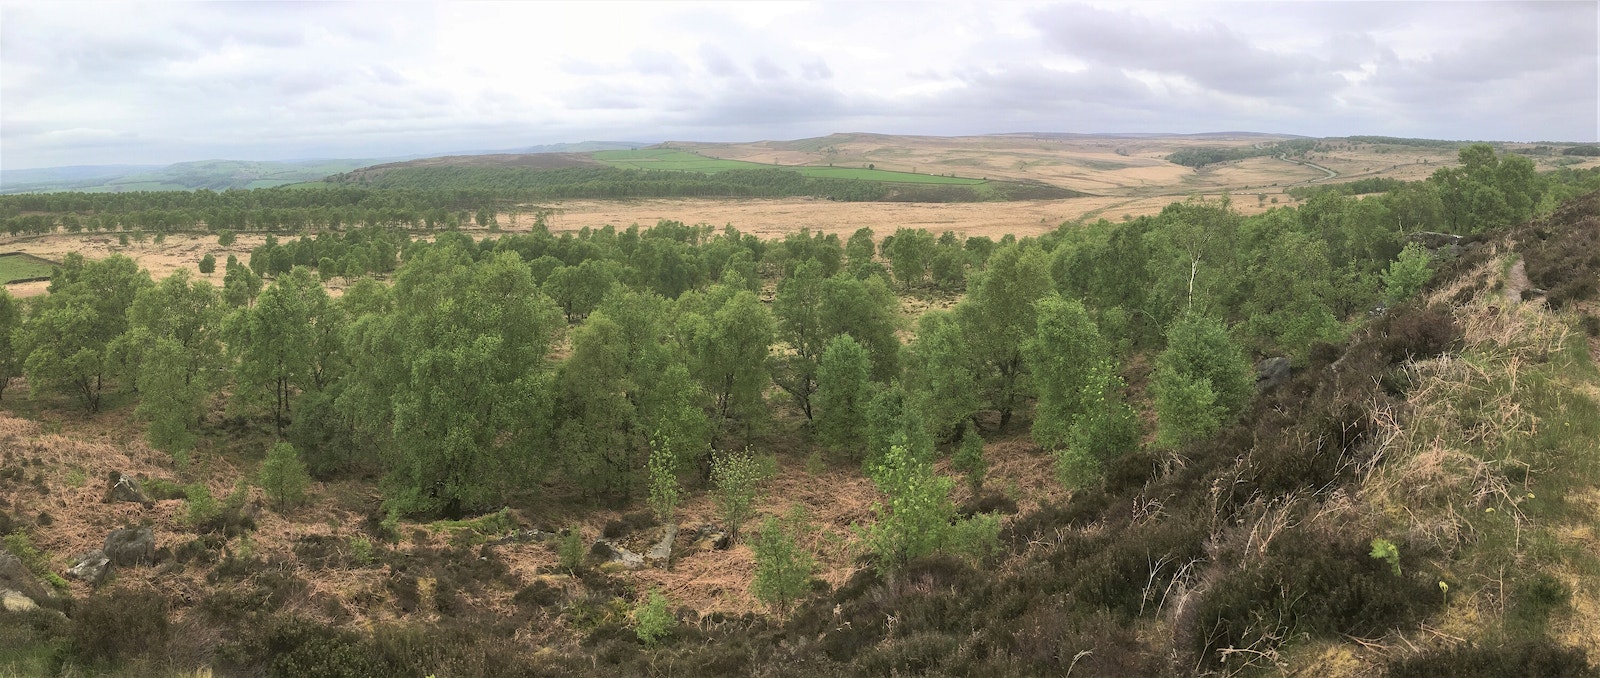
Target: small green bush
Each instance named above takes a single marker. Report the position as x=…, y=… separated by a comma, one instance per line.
x=783, y=570
x=22, y=547
x=570, y=550
x=1385, y=550
x=652, y=621
x=969, y=458
x=284, y=476
x=202, y=506
x=736, y=481
x=361, y=551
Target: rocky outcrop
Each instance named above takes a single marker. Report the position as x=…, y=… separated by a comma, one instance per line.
x=526, y=536
x=123, y=488
x=1439, y=244
x=1272, y=373
x=711, y=537
x=92, y=567
x=660, y=554
x=15, y=578
x=616, y=555
x=131, y=546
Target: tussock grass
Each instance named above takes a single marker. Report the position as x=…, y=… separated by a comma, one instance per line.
x=1489, y=466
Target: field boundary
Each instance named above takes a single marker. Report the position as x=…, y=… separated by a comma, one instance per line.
x=32, y=258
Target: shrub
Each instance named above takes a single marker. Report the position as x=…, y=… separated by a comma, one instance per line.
x=651, y=618
x=736, y=481
x=119, y=624
x=208, y=264
x=918, y=518
x=663, y=468
x=1408, y=274
x=20, y=546
x=1385, y=550
x=783, y=570
x=1309, y=584
x=284, y=476
x=1539, y=658
x=361, y=551
x=969, y=458
x=1419, y=334
x=570, y=550
x=202, y=506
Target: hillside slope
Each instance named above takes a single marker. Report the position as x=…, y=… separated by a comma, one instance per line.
x=1420, y=499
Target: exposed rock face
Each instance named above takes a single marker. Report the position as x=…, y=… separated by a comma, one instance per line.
x=131, y=546
x=122, y=488
x=15, y=578
x=660, y=555
x=616, y=555
x=710, y=537
x=1440, y=244
x=1272, y=373
x=525, y=536
x=92, y=567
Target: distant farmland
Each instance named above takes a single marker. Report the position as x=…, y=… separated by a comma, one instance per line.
x=17, y=267
x=684, y=161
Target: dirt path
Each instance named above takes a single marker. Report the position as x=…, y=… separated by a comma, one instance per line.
x=1517, y=282
x=1305, y=163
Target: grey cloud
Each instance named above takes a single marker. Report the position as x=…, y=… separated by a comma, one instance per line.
x=766, y=70
x=816, y=70
x=718, y=64
x=655, y=62
x=1215, y=57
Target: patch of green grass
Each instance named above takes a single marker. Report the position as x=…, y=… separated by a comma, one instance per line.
x=683, y=161
x=886, y=176
x=499, y=522
x=672, y=160
x=23, y=267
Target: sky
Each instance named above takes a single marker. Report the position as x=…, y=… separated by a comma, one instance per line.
x=125, y=83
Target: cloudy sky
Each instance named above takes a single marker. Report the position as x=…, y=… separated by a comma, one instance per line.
x=85, y=83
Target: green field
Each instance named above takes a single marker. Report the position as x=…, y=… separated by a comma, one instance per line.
x=18, y=266
x=684, y=161
x=671, y=160
x=888, y=176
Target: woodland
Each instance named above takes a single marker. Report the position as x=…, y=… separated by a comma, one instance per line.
x=1320, y=439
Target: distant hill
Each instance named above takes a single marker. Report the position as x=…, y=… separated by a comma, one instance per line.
x=524, y=160
x=219, y=175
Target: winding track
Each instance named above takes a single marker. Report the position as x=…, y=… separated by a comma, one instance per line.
x=1331, y=174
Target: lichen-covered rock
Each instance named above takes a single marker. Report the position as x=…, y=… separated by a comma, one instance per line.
x=131, y=546
x=92, y=567
x=660, y=554
x=711, y=537
x=616, y=555
x=15, y=576
x=122, y=488
x=1272, y=373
